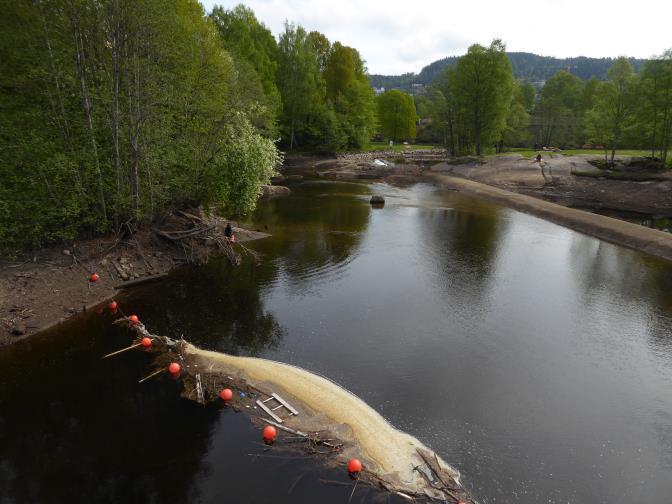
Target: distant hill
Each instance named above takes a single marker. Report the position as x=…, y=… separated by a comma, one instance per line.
x=526, y=66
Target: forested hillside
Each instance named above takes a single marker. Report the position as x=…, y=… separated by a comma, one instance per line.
x=526, y=66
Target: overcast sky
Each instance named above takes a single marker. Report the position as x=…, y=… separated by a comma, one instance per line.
x=396, y=36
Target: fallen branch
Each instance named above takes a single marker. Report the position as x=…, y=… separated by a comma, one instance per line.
x=151, y=375
x=121, y=351
x=301, y=434
x=140, y=281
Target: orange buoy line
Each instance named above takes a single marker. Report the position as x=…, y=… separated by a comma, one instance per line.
x=174, y=368
x=226, y=394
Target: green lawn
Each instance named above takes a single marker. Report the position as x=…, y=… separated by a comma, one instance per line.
x=530, y=153
x=398, y=147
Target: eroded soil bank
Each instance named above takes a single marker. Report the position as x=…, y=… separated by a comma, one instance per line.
x=49, y=285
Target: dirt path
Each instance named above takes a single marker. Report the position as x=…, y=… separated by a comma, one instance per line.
x=51, y=285
x=651, y=241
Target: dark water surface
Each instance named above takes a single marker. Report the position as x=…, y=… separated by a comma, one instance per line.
x=535, y=359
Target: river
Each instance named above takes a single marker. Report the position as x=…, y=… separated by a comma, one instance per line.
x=536, y=360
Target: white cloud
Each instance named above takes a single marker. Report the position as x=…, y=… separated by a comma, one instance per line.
x=402, y=36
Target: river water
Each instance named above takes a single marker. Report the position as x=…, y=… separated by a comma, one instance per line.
x=536, y=360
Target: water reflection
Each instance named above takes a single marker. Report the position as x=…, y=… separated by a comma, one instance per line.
x=316, y=232
x=216, y=306
x=77, y=429
x=534, y=358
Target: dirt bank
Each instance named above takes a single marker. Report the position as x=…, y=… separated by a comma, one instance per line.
x=651, y=241
x=50, y=285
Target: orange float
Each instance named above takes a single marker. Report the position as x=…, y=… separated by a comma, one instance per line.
x=354, y=466
x=270, y=433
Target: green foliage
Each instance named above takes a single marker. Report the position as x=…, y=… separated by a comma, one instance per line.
x=559, y=112
x=482, y=88
x=116, y=110
x=515, y=132
x=526, y=95
x=244, y=162
x=654, y=115
x=254, y=50
x=614, y=105
x=328, y=104
x=301, y=86
x=397, y=115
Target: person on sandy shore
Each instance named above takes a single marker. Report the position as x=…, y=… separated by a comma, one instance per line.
x=538, y=159
x=228, y=232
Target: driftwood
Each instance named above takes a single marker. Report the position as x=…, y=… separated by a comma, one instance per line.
x=434, y=466
x=303, y=435
x=206, y=387
x=121, y=351
x=140, y=281
x=151, y=375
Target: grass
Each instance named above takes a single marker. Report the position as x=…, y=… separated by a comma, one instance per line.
x=373, y=146
x=530, y=153
x=383, y=146
x=614, y=175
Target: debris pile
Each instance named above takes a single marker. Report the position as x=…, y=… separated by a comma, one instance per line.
x=292, y=424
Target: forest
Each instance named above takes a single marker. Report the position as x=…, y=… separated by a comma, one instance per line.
x=478, y=106
x=116, y=112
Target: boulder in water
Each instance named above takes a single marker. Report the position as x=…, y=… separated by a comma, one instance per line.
x=377, y=199
x=270, y=191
